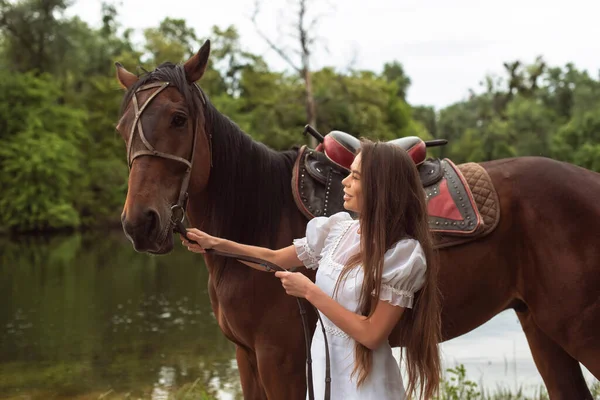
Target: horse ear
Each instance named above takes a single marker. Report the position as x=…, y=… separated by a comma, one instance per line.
x=125, y=78
x=196, y=66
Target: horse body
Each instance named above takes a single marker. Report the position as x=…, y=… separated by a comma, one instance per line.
x=521, y=265
x=251, y=307
x=541, y=260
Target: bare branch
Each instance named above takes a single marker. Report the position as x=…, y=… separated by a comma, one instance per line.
x=302, y=36
x=271, y=44
x=301, y=31
x=353, y=60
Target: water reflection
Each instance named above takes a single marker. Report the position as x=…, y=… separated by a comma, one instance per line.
x=85, y=314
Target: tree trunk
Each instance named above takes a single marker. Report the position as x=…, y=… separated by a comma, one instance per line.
x=311, y=112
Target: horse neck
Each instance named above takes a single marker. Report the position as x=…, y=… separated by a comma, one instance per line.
x=248, y=197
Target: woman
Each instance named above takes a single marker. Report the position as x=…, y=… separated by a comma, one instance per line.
x=369, y=270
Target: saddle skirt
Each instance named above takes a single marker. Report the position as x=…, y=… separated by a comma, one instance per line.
x=462, y=203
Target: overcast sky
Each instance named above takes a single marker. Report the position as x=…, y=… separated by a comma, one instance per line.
x=446, y=46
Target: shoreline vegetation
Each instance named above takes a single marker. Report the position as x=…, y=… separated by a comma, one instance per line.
x=455, y=386
x=63, y=169
x=84, y=316
x=63, y=165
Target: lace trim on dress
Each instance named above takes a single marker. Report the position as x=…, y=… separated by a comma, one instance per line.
x=305, y=253
x=396, y=297
x=336, y=243
x=332, y=330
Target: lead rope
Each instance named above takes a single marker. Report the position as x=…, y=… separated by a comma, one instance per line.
x=269, y=266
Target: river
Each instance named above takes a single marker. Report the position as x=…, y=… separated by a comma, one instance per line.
x=84, y=315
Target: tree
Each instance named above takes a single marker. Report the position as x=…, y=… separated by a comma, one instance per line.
x=303, y=35
x=230, y=59
x=172, y=41
x=39, y=157
x=394, y=72
x=427, y=116
x=36, y=34
x=577, y=141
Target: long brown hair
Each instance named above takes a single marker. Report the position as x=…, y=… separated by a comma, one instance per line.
x=394, y=208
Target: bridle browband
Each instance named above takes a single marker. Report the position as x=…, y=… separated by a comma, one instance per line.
x=178, y=213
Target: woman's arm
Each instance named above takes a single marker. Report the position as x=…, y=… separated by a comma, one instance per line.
x=371, y=332
x=285, y=257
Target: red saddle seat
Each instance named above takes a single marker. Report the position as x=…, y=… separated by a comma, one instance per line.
x=340, y=147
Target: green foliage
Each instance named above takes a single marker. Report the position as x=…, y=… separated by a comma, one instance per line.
x=579, y=141
x=39, y=159
x=360, y=103
x=457, y=386
x=20, y=96
x=25, y=25
x=595, y=389
x=37, y=171
x=536, y=110
x=58, y=94
x=394, y=72
x=172, y=41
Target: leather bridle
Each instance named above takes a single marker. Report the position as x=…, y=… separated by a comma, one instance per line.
x=149, y=150
x=178, y=214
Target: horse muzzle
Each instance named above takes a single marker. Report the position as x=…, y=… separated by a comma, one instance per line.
x=147, y=230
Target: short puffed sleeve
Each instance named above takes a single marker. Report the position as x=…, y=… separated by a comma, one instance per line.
x=404, y=268
x=319, y=234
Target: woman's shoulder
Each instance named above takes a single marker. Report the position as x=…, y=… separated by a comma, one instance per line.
x=406, y=243
x=405, y=251
x=341, y=216
x=329, y=222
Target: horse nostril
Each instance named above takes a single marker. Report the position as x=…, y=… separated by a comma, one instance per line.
x=152, y=221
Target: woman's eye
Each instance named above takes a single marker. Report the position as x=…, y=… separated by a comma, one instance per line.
x=179, y=120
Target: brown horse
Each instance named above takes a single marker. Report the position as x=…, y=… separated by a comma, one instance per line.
x=542, y=260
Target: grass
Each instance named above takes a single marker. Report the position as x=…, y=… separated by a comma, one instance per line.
x=455, y=385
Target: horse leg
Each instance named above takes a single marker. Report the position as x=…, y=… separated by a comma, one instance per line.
x=561, y=373
x=280, y=375
x=590, y=357
x=247, y=366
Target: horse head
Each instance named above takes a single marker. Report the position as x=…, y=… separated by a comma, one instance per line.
x=162, y=122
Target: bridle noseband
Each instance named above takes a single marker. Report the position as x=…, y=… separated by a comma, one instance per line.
x=178, y=213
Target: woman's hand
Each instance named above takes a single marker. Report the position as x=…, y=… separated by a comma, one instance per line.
x=295, y=283
x=204, y=240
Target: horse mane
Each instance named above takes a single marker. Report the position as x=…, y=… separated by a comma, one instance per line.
x=249, y=186
x=249, y=189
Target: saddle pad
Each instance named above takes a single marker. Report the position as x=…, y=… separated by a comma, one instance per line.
x=450, y=205
x=486, y=199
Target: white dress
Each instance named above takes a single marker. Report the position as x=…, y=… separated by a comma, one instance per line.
x=328, y=244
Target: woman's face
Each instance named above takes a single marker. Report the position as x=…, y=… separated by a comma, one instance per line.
x=353, y=198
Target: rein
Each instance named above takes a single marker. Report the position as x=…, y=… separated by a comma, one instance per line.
x=178, y=216
x=270, y=267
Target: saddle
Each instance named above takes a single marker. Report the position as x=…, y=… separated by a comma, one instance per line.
x=461, y=200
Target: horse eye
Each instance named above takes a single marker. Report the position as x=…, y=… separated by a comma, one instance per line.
x=178, y=120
